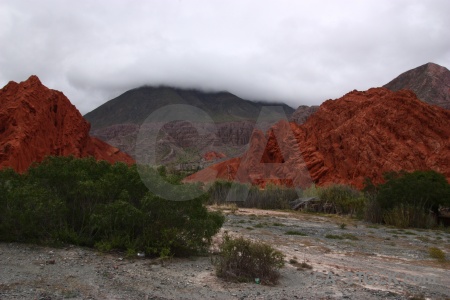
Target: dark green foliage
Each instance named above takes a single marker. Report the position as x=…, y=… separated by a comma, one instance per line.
x=93, y=203
x=243, y=260
x=184, y=226
x=427, y=189
x=405, y=199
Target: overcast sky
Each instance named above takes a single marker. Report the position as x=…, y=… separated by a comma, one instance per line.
x=297, y=52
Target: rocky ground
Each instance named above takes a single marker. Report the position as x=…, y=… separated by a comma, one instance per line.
x=351, y=261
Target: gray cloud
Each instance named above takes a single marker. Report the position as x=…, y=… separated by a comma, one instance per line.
x=298, y=52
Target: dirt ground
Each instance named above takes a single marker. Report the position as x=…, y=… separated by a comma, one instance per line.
x=351, y=261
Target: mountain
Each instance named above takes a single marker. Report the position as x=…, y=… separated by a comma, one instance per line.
x=302, y=113
x=134, y=106
x=361, y=135
x=36, y=121
x=120, y=120
x=430, y=82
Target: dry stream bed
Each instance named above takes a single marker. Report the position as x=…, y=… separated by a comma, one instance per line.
x=352, y=261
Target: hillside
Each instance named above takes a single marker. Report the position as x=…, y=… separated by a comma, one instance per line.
x=120, y=120
x=361, y=135
x=430, y=82
x=36, y=121
x=134, y=106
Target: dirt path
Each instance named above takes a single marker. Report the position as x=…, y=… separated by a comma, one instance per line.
x=355, y=262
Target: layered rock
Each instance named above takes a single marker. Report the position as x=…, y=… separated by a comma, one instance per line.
x=361, y=135
x=430, y=82
x=36, y=122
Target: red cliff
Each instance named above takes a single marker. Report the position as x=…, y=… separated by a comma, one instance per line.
x=36, y=121
x=362, y=134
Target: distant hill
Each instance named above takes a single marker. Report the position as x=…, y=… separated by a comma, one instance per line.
x=134, y=106
x=430, y=82
x=119, y=121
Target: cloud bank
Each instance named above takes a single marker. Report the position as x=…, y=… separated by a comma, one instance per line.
x=297, y=52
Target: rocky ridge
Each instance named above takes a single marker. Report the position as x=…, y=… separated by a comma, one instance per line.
x=361, y=135
x=36, y=121
x=430, y=82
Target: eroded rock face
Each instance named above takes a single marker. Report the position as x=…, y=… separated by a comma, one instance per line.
x=36, y=122
x=362, y=134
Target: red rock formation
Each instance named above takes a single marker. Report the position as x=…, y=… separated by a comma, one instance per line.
x=362, y=134
x=36, y=122
x=213, y=155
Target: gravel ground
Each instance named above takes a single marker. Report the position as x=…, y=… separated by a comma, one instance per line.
x=364, y=262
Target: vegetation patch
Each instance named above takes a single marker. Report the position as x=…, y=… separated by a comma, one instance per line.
x=436, y=253
x=405, y=199
x=295, y=232
x=243, y=260
x=93, y=203
x=344, y=236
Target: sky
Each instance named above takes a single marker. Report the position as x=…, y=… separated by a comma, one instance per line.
x=298, y=52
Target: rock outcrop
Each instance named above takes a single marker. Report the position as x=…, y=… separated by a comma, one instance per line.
x=361, y=135
x=213, y=155
x=36, y=122
x=430, y=82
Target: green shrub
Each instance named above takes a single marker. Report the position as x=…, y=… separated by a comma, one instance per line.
x=31, y=214
x=372, y=211
x=93, y=203
x=334, y=237
x=185, y=227
x=405, y=199
x=404, y=216
x=345, y=199
x=347, y=236
x=243, y=260
x=436, y=253
x=295, y=232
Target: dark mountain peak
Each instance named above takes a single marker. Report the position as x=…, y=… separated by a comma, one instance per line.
x=430, y=82
x=134, y=106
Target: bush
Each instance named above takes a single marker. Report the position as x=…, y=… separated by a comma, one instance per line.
x=405, y=199
x=345, y=199
x=184, y=227
x=404, y=216
x=436, y=253
x=93, y=203
x=31, y=213
x=243, y=260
